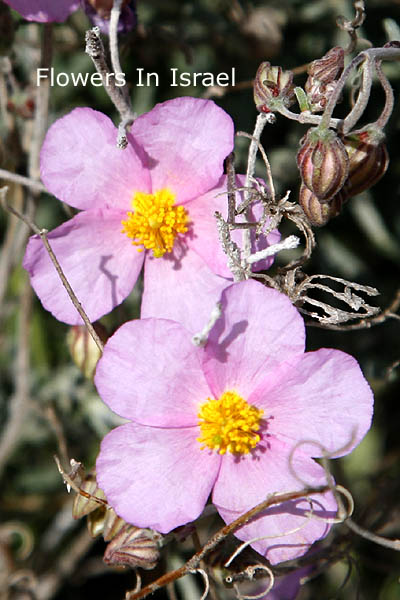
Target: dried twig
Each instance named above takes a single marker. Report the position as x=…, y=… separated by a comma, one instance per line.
x=42, y=233
x=19, y=404
x=193, y=563
x=95, y=49
x=35, y=185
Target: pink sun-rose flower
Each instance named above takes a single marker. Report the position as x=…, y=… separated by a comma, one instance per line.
x=44, y=11
x=225, y=418
x=152, y=203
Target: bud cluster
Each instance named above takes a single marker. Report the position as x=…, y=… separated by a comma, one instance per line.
x=333, y=170
x=333, y=166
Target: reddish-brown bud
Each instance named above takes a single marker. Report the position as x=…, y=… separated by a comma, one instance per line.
x=323, y=162
x=329, y=67
x=368, y=159
x=322, y=78
x=273, y=87
x=317, y=211
x=133, y=547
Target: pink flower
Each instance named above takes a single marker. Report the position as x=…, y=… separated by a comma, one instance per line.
x=158, y=195
x=44, y=10
x=224, y=420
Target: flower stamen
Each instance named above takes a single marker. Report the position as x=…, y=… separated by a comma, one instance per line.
x=229, y=424
x=155, y=222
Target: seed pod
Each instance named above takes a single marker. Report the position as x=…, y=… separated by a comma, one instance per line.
x=272, y=87
x=317, y=211
x=133, y=547
x=368, y=159
x=83, y=505
x=323, y=162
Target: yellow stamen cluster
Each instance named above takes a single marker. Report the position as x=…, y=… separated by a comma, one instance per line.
x=229, y=424
x=155, y=222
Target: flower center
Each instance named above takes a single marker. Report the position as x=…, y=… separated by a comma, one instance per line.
x=229, y=424
x=155, y=222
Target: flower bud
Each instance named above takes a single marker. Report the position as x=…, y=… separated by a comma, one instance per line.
x=368, y=159
x=133, y=547
x=329, y=67
x=317, y=211
x=272, y=88
x=84, y=350
x=322, y=78
x=323, y=162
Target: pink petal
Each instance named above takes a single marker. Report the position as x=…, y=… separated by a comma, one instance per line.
x=288, y=586
x=324, y=397
x=150, y=372
x=99, y=262
x=256, y=340
x=242, y=484
x=184, y=290
x=187, y=140
x=81, y=165
x=205, y=239
x=155, y=477
x=44, y=10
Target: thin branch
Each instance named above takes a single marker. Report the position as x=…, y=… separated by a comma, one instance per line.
x=372, y=537
x=113, y=29
x=389, y=97
x=362, y=98
x=19, y=402
x=231, y=177
x=35, y=185
x=95, y=49
x=371, y=54
x=194, y=561
x=41, y=104
x=54, y=421
x=49, y=582
x=270, y=180
x=352, y=26
x=42, y=233
x=262, y=120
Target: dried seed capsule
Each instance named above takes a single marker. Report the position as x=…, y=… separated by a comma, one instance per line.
x=317, y=211
x=133, y=547
x=273, y=87
x=323, y=162
x=368, y=159
x=83, y=505
x=83, y=348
